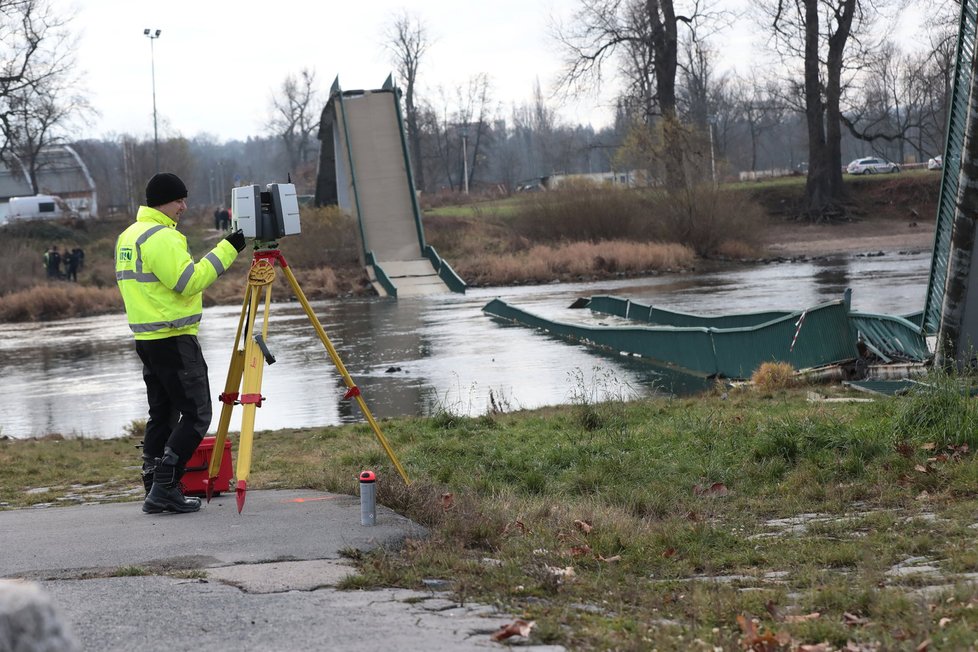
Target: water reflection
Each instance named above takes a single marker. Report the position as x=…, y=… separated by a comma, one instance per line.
x=413, y=356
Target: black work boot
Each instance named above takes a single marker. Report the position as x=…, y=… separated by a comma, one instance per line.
x=165, y=494
x=149, y=466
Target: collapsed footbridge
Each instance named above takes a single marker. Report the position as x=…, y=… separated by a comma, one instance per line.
x=365, y=169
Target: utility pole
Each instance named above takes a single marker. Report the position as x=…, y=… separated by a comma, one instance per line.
x=465, y=160
x=153, y=35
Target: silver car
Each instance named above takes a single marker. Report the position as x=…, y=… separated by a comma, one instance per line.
x=871, y=165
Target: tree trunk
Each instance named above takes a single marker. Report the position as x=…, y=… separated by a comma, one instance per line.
x=818, y=191
x=665, y=44
x=824, y=190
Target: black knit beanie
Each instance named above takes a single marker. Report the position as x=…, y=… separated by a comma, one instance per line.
x=164, y=188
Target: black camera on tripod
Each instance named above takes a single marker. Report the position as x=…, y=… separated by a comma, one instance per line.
x=265, y=215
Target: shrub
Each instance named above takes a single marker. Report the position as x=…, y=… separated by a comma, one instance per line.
x=701, y=217
x=542, y=263
x=774, y=376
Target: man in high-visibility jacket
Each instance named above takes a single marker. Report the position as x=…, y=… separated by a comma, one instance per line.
x=161, y=286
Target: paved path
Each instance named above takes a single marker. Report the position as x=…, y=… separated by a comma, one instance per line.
x=264, y=580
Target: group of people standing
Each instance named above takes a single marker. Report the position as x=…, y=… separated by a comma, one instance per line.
x=64, y=265
x=222, y=218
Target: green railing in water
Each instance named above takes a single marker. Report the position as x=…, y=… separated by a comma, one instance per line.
x=956, y=124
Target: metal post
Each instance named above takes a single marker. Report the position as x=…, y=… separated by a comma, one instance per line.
x=465, y=161
x=153, y=35
x=713, y=160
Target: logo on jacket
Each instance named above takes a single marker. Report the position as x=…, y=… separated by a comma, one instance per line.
x=125, y=254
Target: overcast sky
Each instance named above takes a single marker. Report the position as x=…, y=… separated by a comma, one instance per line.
x=217, y=62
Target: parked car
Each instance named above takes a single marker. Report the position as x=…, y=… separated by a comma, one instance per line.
x=871, y=166
x=935, y=163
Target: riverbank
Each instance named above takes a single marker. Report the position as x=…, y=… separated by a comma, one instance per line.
x=742, y=519
x=489, y=247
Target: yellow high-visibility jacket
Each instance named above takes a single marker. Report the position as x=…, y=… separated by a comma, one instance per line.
x=160, y=283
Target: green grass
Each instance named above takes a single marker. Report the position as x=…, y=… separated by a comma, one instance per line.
x=676, y=516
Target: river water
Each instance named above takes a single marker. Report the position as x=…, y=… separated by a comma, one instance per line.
x=81, y=377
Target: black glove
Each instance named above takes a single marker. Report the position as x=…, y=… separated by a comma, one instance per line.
x=237, y=240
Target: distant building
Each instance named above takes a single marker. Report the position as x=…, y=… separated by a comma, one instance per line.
x=61, y=173
x=616, y=179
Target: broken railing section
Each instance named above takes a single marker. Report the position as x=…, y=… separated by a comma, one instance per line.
x=733, y=346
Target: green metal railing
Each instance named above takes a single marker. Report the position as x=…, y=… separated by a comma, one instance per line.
x=947, y=204
x=821, y=338
x=629, y=309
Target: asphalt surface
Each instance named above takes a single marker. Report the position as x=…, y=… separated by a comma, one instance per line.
x=259, y=580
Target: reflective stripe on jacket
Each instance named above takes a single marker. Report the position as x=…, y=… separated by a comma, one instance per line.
x=160, y=283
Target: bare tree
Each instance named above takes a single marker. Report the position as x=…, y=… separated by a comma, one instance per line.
x=646, y=33
x=759, y=109
x=407, y=41
x=39, y=99
x=295, y=117
x=825, y=35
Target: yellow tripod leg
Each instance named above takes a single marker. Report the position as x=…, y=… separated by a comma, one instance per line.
x=353, y=390
x=261, y=275
x=231, y=386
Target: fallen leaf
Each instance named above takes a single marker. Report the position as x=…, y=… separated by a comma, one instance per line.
x=815, y=647
x=944, y=622
x=715, y=489
x=447, y=501
x=929, y=446
x=515, y=628
x=921, y=468
x=802, y=618
x=580, y=551
x=923, y=646
x=583, y=526
x=852, y=646
x=668, y=552
x=904, y=449
x=567, y=571
x=609, y=559
x=517, y=524
x=852, y=619
x=758, y=640
x=773, y=610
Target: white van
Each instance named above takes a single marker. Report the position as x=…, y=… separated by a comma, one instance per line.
x=38, y=207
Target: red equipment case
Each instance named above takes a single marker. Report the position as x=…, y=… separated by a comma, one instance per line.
x=197, y=469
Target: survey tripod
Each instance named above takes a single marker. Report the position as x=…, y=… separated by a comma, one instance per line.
x=248, y=362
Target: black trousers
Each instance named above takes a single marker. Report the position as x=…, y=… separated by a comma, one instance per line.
x=179, y=395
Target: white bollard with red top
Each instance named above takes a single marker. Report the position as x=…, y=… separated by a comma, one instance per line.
x=368, y=498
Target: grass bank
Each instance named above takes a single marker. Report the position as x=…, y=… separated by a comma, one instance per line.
x=745, y=519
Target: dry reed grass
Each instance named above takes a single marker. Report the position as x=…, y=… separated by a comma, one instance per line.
x=57, y=300
x=702, y=217
x=774, y=376
x=573, y=260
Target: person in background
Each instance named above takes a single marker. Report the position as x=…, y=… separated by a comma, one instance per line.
x=52, y=262
x=79, y=254
x=71, y=265
x=161, y=286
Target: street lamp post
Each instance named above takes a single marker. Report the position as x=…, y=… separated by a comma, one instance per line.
x=465, y=160
x=713, y=161
x=153, y=35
